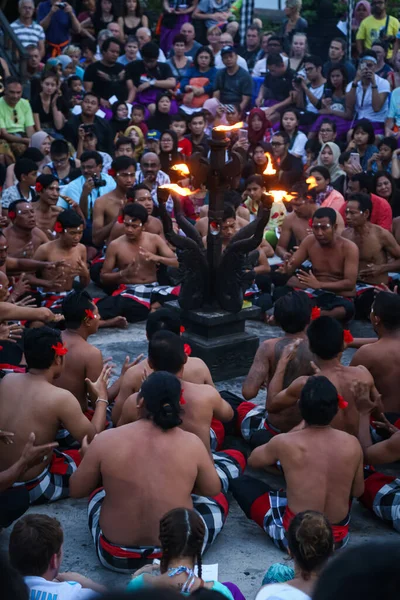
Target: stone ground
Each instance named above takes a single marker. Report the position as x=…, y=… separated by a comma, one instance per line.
x=242, y=550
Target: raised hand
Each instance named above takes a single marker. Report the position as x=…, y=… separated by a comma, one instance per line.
x=33, y=455
x=127, y=365
x=98, y=388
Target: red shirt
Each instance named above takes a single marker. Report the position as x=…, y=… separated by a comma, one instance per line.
x=381, y=212
x=185, y=147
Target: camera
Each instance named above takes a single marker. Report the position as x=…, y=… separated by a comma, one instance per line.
x=61, y=5
x=98, y=181
x=88, y=129
x=298, y=80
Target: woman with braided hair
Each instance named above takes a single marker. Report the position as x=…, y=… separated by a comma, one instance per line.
x=182, y=534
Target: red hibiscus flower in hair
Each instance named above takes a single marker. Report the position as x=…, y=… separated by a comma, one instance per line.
x=11, y=215
x=347, y=337
x=315, y=313
x=112, y=172
x=310, y=222
x=342, y=402
x=187, y=349
x=60, y=349
x=182, y=329
x=58, y=228
x=89, y=313
x=120, y=219
x=182, y=399
x=38, y=187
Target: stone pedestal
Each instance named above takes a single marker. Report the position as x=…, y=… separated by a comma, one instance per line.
x=219, y=338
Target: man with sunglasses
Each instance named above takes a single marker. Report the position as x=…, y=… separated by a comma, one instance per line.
x=16, y=118
x=290, y=167
x=331, y=281
x=378, y=26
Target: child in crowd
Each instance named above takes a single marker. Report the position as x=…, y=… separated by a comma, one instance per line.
x=137, y=117
x=75, y=90
x=179, y=126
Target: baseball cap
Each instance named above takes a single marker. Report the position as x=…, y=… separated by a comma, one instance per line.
x=153, y=134
x=228, y=50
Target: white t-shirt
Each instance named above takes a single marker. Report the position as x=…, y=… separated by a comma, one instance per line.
x=318, y=92
x=67, y=590
x=281, y=591
x=298, y=145
x=363, y=105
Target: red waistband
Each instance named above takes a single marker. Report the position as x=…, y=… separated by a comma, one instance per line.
x=119, y=552
x=339, y=531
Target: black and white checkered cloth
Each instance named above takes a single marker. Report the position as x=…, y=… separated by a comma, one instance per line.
x=246, y=17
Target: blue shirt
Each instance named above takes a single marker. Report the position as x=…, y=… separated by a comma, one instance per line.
x=60, y=24
x=74, y=191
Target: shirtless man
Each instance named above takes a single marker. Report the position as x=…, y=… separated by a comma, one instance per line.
x=230, y=197
x=107, y=208
x=323, y=470
x=29, y=402
x=22, y=235
x=169, y=465
x=46, y=209
x=382, y=358
x=132, y=260
x=332, y=280
x=326, y=342
x=195, y=370
x=140, y=193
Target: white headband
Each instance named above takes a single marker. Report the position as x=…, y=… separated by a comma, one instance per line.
x=371, y=58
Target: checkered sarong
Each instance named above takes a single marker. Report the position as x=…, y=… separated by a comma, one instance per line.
x=382, y=496
x=213, y=511
x=65, y=439
x=229, y=465
x=144, y=293
x=52, y=300
x=253, y=418
x=53, y=483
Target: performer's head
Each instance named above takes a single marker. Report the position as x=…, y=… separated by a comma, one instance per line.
x=181, y=536
x=292, y=312
x=163, y=319
x=324, y=225
x=48, y=189
x=318, y=402
x=123, y=169
x=44, y=350
x=134, y=216
x=228, y=225
x=358, y=210
x=385, y=312
x=166, y=352
x=159, y=400
x=69, y=226
x=80, y=311
x=325, y=337
x=22, y=214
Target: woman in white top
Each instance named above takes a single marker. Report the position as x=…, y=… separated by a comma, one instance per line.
x=298, y=140
x=298, y=50
x=310, y=541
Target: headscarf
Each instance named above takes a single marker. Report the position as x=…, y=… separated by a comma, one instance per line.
x=167, y=159
x=257, y=136
x=139, y=149
x=64, y=60
x=334, y=169
x=356, y=22
x=38, y=138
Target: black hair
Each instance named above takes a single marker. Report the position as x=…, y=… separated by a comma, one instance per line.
x=341, y=41
x=93, y=95
x=364, y=180
x=208, y=51
x=122, y=140
x=88, y=44
x=327, y=212
x=325, y=337
x=368, y=571
x=364, y=201
x=72, y=78
x=276, y=38
x=123, y=162
x=135, y=211
x=24, y=166
x=366, y=53
x=138, y=10
x=47, y=73
x=390, y=142
x=257, y=179
x=74, y=306
x=139, y=107
x=135, y=188
x=58, y=147
x=38, y=350
x=229, y=212
x=69, y=219
x=300, y=189
x=292, y=312
x=107, y=43
x=46, y=180
x=328, y=121
x=194, y=115
x=318, y=402
x=386, y=306
x=163, y=319
x=367, y=127
x=310, y=540
x=10, y=80
x=321, y=170
x=313, y=146
x=182, y=533
x=389, y=177
x=150, y=50
x=274, y=60
x=313, y=59
x=179, y=39
x=178, y=117
x=12, y=584
x=116, y=106
x=233, y=197
x=92, y=154
x=296, y=114
x=381, y=44
x=161, y=393
x=12, y=207
x=33, y=154
x=283, y=135
x=166, y=352
x=344, y=157
x=345, y=76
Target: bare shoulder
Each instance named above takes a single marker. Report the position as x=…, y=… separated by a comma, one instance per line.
x=347, y=233
x=40, y=234
x=361, y=373
x=196, y=363
x=45, y=250
x=348, y=245
x=267, y=347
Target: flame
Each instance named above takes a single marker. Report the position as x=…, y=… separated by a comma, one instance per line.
x=269, y=168
x=181, y=168
x=279, y=195
x=312, y=182
x=229, y=127
x=177, y=189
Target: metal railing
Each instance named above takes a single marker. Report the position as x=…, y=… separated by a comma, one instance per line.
x=12, y=50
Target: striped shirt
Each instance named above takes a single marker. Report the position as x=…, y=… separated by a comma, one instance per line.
x=28, y=34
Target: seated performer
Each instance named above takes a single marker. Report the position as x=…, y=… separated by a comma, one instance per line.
x=323, y=469
x=131, y=262
x=327, y=341
x=107, y=207
x=376, y=247
x=382, y=358
x=22, y=235
x=331, y=282
x=169, y=464
x=230, y=197
x=140, y=193
x=30, y=402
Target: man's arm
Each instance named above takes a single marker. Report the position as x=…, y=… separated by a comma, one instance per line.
x=45, y=22
x=164, y=256
x=284, y=239
x=129, y=411
x=265, y=455
x=389, y=124
x=299, y=256
x=87, y=477
x=259, y=372
x=263, y=265
x=9, y=137
x=378, y=98
x=75, y=25
x=165, y=84
x=222, y=410
x=132, y=91
x=380, y=453
x=108, y=275
x=207, y=481
x=100, y=230
x=244, y=102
